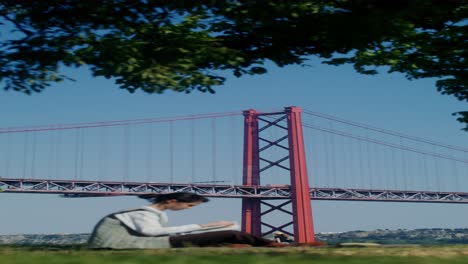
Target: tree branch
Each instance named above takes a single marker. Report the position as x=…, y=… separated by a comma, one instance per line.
x=28, y=33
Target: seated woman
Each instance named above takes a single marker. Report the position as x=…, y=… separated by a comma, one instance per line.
x=147, y=227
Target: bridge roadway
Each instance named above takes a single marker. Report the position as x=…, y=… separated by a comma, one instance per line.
x=82, y=188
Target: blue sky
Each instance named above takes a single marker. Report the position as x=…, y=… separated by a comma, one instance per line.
x=387, y=101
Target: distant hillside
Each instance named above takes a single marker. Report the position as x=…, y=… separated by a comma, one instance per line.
x=431, y=236
x=426, y=236
x=44, y=239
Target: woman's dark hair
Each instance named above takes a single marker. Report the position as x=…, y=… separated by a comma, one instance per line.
x=182, y=197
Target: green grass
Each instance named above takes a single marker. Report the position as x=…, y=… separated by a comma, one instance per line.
x=381, y=255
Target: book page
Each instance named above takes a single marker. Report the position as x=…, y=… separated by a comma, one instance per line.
x=216, y=228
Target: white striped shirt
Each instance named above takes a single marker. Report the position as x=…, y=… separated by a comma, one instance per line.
x=150, y=221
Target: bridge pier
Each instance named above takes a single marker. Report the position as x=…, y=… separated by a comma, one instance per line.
x=251, y=210
x=300, y=196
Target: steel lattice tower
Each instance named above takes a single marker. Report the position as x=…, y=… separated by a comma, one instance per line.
x=300, y=195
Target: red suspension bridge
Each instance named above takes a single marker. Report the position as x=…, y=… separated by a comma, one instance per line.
x=203, y=153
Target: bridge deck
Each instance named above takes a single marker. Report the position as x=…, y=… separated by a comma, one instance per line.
x=76, y=188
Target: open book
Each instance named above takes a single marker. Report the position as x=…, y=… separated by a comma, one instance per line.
x=215, y=228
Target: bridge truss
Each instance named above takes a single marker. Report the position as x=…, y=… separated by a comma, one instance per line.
x=73, y=188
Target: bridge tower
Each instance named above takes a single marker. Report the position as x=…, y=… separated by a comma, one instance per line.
x=253, y=155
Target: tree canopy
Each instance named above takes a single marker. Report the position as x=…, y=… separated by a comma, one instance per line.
x=187, y=45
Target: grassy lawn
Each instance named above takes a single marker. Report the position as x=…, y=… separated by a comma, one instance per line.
x=381, y=255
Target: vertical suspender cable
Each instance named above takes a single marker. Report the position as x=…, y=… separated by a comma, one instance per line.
x=390, y=168
x=231, y=135
x=404, y=167
x=377, y=173
x=192, y=148
x=332, y=157
x=5, y=154
x=394, y=170
x=345, y=168
x=361, y=165
x=77, y=147
x=25, y=153
x=466, y=169
x=353, y=173
x=5, y=151
x=356, y=176
x=9, y=154
x=308, y=149
x=369, y=163
x=384, y=161
x=425, y=173
x=101, y=153
x=213, y=138
x=380, y=166
x=171, y=151
x=33, y=153
x=455, y=173
x=51, y=145
x=149, y=152
x=57, y=153
x=352, y=168
x=82, y=151
x=105, y=147
x=327, y=166
x=437, y=173
x=126, y=153
x=421, y=179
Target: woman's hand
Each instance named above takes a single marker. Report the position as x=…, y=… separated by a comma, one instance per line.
x=219, y=223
